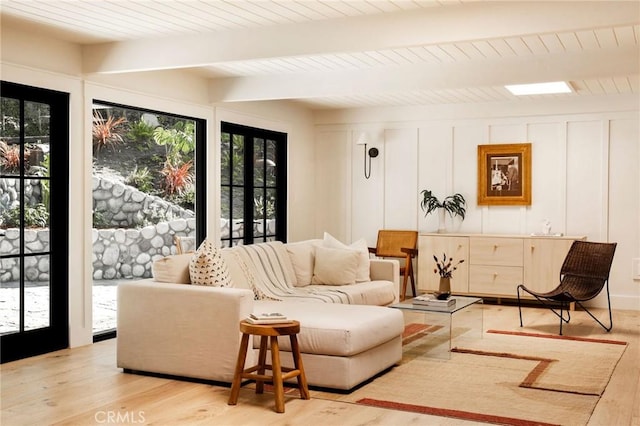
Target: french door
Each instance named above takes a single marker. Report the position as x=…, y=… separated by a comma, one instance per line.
x=34, y=182
x=253, y=185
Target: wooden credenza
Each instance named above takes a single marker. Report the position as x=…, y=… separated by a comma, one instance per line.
x=494, y=265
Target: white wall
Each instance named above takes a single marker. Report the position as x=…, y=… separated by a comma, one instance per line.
x=585, y=174
x=52, y=64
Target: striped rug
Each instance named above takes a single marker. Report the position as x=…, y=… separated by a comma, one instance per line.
x=504, y=378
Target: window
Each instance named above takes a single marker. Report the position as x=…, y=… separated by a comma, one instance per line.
x=148, y=189
x=253, y=185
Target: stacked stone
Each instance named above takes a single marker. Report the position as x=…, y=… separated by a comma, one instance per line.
x=125, y=206
x=117, y=253
x=10, y=193
x=36, y=267
x=129, y=253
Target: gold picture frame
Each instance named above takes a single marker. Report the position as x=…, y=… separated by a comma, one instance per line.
x=504, y=174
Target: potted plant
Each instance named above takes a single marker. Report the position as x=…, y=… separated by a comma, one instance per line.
x=454, y=204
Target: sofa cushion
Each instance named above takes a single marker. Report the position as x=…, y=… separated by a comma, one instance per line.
x=335, y=266
x=172, y=269
x=337, y=329
x=302, y=255
x=360, y=246
x=240, y=277
x=376, y=293
x=207, y=267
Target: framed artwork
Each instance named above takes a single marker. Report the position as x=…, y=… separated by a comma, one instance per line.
x=504, y=174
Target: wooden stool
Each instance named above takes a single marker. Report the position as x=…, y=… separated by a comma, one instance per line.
x=269, y=330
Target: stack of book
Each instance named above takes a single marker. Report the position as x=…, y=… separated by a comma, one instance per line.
x=267, y=318
x=434, y=303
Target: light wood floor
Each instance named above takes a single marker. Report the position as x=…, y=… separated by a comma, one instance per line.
x=82, y=386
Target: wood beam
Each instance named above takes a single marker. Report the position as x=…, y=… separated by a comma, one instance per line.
x=466, y=22
x=622, y=61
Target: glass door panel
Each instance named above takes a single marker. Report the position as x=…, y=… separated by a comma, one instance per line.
x=10, y=296
x=37, y=293
x=253, y=187
x=33, y=280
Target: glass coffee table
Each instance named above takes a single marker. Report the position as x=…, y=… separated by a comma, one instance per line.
x=446, y=325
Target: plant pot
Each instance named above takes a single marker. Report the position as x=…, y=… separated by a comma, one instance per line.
x=444, y=290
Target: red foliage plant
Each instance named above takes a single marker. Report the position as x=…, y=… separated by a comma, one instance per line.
x=177, y=178
x=10, y=157
x=106, y=132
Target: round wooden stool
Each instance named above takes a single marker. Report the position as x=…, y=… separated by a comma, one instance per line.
x=291, y=329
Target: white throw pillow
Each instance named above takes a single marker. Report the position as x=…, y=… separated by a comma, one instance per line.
x=335, y=266
x=207, y=267
x=302, y=255
x=172, y=269
x=360, y=246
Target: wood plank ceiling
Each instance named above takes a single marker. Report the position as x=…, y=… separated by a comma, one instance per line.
x=357, y=53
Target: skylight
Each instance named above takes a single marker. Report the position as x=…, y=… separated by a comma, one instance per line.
x=548, y=88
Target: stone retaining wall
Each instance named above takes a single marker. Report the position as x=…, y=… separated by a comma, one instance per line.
x=129, y=253
x=125, y=251
x=121, y=205
x=10, y=195
x=116, y=253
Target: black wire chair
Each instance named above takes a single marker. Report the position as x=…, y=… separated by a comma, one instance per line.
x=584, y=273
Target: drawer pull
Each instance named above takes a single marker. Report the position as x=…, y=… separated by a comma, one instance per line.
x=495, y=247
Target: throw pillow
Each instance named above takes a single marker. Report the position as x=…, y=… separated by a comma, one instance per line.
x=172, y=269
x=335, y=266
x=302, y=255
x=207, y=267
x=360, y=246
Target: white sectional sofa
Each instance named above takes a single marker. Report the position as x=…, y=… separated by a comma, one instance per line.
x=347, y=334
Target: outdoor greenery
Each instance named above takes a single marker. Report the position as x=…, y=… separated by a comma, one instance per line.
x=36, y=216
x=32, y=158
x=153, y=153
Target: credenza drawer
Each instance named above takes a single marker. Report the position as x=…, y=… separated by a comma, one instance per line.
x=496, y=251
x=499, y=280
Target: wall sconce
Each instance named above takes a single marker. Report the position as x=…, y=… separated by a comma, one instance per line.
x=363, y=139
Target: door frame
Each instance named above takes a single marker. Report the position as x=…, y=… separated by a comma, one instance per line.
x=56, y=336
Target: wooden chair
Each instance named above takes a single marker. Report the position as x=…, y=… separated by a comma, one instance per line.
x=584, y=273
x=184, y=244
x=403, y=245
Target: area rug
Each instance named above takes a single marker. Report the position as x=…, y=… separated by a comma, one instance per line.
x=504, y=378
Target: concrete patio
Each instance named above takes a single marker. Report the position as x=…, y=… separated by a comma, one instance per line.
x=37, y=306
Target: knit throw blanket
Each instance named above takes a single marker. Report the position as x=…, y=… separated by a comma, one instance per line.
x=268, y=270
